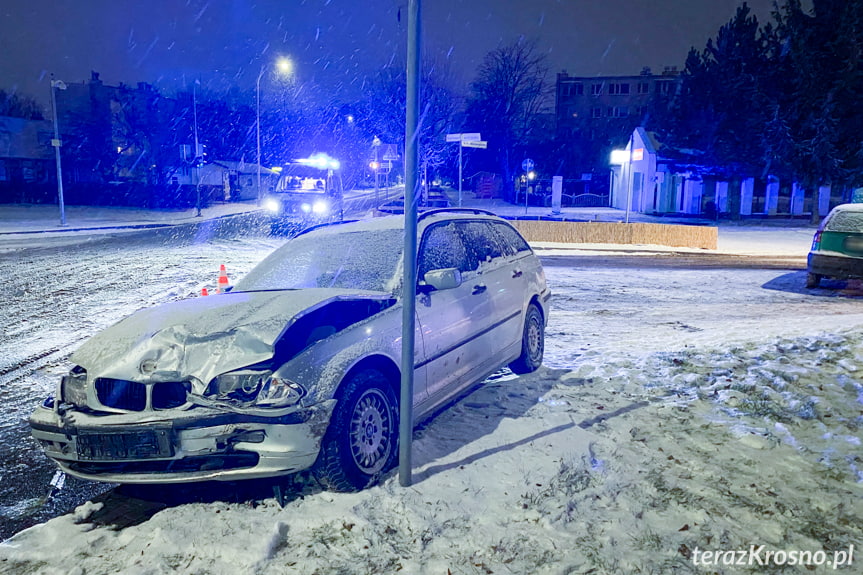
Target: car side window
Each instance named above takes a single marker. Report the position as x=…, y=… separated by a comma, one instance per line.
x=441, y=248
x=514, y=243
x=482, y=242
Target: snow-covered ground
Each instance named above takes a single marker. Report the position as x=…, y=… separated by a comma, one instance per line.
x=678, y=411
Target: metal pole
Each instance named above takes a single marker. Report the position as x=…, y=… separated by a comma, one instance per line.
x=460, y=146
x=56, y=144
x=258, y=127
x=629, y=178
x=406, y=407
x=376, y=143
x=195, y=154
x=377, y=173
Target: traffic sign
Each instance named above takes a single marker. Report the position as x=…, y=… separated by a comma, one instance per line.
x=474, y=144
x=469, y=137
x=527, y=165
x=390, y=152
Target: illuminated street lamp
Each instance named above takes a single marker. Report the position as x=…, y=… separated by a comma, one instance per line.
x=285, y=67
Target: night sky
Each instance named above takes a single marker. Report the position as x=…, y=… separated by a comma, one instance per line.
x=335, y=44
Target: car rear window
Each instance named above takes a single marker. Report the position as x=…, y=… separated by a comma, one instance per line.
x=845, y=222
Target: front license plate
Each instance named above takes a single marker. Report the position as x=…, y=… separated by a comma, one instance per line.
x=126, y=446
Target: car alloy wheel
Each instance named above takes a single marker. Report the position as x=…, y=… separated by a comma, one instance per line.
x=371, y=431
x=361, y=443
x=532, y=342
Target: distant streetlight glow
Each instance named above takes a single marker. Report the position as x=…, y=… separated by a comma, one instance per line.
x=285, y=66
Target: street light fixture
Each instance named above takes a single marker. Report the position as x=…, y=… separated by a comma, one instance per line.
x=285, y=67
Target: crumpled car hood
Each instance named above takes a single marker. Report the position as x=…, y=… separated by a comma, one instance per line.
x=201, y=337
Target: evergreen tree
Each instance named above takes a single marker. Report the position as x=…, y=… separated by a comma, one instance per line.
x=723, y=102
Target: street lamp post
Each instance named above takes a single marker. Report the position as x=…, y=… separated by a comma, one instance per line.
x=258, y=127
x=285, y=67
x=58, y=84
x=196, y=154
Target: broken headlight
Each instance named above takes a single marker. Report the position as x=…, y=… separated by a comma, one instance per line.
x=257, y=388
x=73, y=387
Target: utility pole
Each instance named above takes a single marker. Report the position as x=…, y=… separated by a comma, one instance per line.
x=56, y=143
x=409, y=288
x=197, y=154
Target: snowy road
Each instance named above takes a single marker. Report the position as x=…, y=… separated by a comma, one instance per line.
x=56, y=298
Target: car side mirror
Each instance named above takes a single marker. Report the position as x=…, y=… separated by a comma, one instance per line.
x=446, y=278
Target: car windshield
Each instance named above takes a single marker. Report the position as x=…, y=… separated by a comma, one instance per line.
x=363, y=260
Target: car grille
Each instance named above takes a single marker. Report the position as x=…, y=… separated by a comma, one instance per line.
x=132, y=395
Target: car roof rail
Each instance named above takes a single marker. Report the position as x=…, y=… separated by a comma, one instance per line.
x=436, y=211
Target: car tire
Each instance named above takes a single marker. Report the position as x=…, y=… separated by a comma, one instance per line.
x=813, y=280
x=361, y=443
x=532, y=342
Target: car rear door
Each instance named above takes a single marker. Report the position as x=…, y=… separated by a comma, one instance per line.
x=498, y=271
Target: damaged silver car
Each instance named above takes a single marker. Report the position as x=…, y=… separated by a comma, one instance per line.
x=298, y=366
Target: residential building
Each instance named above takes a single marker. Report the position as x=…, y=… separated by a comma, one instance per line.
x=27, y=168
x=597, y=113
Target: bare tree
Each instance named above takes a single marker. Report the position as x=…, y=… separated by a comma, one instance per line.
x=510, y=90
x=438, y=106
x=19, y=106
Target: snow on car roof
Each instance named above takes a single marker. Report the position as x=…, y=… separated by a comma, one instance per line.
x=395, y=221
x=848, y=208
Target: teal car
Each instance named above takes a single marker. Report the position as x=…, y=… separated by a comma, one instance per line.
x=837, y=248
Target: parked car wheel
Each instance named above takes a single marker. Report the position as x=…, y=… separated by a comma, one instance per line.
x=532, y=342
x=361, y=443
x=813, y=280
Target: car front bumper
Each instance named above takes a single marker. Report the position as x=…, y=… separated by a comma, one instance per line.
x=180, y=446
x=835, y=265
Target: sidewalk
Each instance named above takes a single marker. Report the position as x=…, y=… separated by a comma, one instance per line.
x=30, y=218
x=783, y=238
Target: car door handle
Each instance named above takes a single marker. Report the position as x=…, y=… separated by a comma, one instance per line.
x=478, y=289
x=517, y=274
